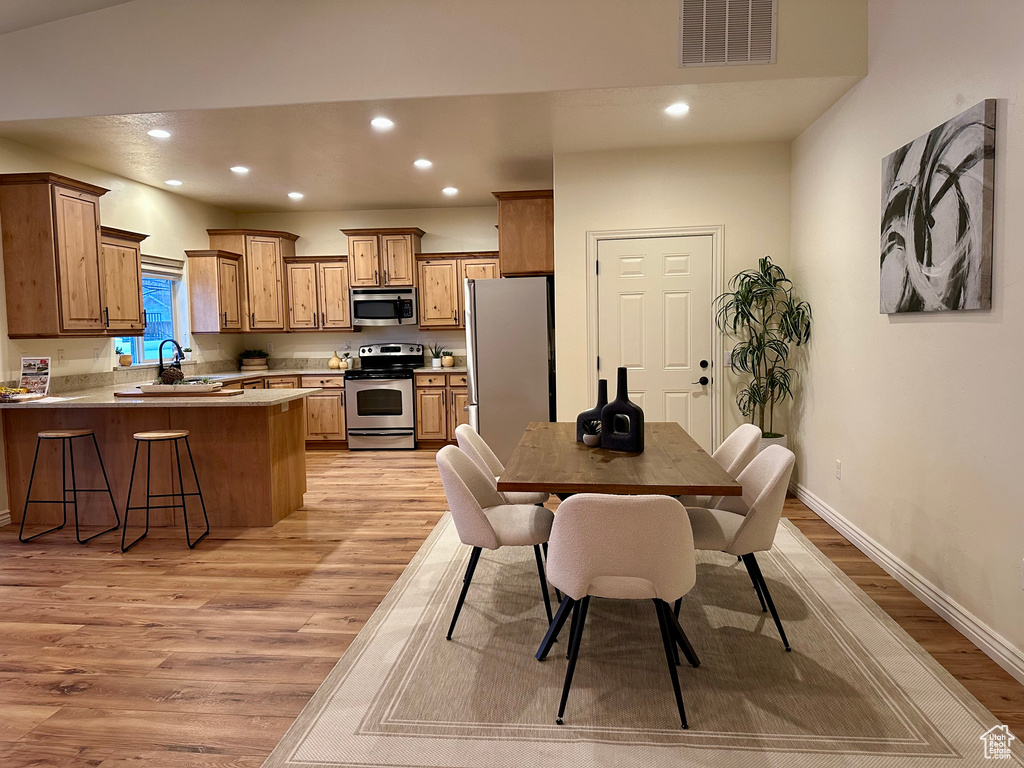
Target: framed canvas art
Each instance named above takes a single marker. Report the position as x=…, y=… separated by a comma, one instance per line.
x=936, y=242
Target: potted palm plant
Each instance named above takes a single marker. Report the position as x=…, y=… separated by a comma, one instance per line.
x=761, y=313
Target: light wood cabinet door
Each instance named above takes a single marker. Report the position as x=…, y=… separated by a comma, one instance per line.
x=229, y=295
x=121, y=268
x=281, y=382
x=253, y=384
x=526, y=232
x=459, y=411
x=363, y=261
x=303, y=304
x=480, y=269
x=325, y=416
x=335, y=310
x=397, y=257
x=431, y=414
x=77, y=217
x=438, y=293
x=263, y=276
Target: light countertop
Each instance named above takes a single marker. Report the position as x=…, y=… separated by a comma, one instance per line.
x=453, y=369
x=103, y=397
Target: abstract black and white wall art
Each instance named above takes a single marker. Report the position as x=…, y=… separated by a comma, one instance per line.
x=936, y=246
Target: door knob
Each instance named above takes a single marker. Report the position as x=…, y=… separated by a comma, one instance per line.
x=703, y=381
x=704, y=364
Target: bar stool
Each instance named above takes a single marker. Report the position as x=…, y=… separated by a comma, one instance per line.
x=67, y=452
x=163, y=436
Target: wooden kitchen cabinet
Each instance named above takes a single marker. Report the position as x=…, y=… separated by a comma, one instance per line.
x=280, y=382
x=263, y=253
x=459, y=399
x=526, y=232
x=318, y=293
x=432, y=414
x=383, y=257
x=53, y=264
x=441, y=285
x=253, y=384
x=121, y=273
x=214, y=291
x=325, y=411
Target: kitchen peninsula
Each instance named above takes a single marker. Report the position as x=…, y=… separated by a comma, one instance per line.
x=248, y=449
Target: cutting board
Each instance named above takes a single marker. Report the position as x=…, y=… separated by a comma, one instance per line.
x=216, y=393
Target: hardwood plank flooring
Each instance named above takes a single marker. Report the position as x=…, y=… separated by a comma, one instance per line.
x=169, y=657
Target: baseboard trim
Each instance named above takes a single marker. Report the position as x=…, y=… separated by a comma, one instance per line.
x=994, y=645
x=5, y=517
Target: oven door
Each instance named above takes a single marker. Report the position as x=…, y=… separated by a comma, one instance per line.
x=379, y=404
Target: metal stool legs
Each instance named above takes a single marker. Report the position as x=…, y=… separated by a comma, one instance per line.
x=180, y=496
x=67, y=456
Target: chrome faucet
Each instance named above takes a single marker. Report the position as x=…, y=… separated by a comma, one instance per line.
x=178, y=355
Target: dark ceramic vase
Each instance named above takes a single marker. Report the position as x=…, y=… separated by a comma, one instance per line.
x=622, y=421
x=594, y=414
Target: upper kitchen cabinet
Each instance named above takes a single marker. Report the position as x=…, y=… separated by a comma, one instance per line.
x=215, y=289
x=263, y=254
x=526, y=232
x=318, y=293
x=54, y=262
x=440, y=286
x=383, y=257
x=121, y=273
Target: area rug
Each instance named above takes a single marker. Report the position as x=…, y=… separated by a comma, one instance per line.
x=855, y=691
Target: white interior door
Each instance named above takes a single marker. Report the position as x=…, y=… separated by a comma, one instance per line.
x=655, y=318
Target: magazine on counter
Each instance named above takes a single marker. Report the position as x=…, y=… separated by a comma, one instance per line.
x=35, y=375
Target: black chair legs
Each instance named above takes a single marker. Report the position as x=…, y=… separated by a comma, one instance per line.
x=757, y=587
x=474, y=558
x=758, y=578
x=543, y=581
x=664, y=617
x=574, y=653
x=67, y=457
x=178, y=500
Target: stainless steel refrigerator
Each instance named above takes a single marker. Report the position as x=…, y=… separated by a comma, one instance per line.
x=510, y=345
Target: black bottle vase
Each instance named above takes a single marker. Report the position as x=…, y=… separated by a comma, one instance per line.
x=622, y=421
x=594, y=414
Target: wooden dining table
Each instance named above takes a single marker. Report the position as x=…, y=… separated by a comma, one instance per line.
x=549, y=459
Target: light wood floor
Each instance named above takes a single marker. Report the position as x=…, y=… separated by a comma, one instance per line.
x=171, y=658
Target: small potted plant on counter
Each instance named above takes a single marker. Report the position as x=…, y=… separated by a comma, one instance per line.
x=435, y=350
x=123, y=360
x=592, y=433
x=447, y=358
x=254, y=360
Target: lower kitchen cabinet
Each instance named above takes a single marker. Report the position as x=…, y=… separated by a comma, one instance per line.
x=325, y=411
x=432, y=414
x=253, y=384
x=442, y=404
x=459, y=411
x=281, y=382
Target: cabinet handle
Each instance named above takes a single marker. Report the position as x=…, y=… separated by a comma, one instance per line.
x=323, y=319
x=145, y=319
x=252, y=319
x=225, y=320
x=375, y=276
x=456, y=317
x=385, y=277
x=106, y=315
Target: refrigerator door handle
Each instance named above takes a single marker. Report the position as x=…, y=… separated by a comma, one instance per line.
x=469, y=318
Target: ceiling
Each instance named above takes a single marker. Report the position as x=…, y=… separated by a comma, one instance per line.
x=22, y=14
x=479, y=144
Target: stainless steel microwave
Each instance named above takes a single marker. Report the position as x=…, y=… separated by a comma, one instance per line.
x=384, y=306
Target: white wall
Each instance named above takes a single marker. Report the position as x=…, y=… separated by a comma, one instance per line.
x=744, y=188
x=447, y=230
x=925, y=410
x=174, y=223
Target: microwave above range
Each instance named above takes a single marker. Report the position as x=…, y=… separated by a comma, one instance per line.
x=384, y=306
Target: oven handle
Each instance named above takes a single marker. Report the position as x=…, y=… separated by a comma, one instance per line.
x=389, y=433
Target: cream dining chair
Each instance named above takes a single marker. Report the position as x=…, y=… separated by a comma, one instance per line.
x=485, y=521
x=733, y=455
x=625, y=548
x=480, y=452
x=743, y=525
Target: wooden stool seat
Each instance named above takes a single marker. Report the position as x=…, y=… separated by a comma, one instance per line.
x=57, y=434
x=162, y=434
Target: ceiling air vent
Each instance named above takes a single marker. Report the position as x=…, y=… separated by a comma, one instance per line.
x=717, y=32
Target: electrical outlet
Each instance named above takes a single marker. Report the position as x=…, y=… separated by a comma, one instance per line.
x=839, y=470
x=61, y=360
x=270, y=346
x=346, y=346
x=96, y=354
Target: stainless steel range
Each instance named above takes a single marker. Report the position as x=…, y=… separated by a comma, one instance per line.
x=378, y=397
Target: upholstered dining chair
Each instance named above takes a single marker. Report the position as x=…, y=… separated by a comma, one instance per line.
x=626, y=548
x=743, y=525
x=485, y=521
x=480, y=452
x=733, y=455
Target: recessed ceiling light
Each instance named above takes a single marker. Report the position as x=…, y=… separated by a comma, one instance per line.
x=422, y=163
x=160, y=133
x=382, y=123
x=295, y=195
x=678, y=109
x=450, y=191
x=239, y=169
x=173, y=183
